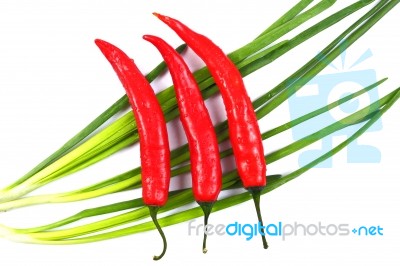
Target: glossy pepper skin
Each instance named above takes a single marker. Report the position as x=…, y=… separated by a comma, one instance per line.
x=197, y=124
x=244, y=131
x=154, y=146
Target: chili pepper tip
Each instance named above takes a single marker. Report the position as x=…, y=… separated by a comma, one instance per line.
x=103, y=45
x=161, y=17
x=97, y=41
x=147, y=37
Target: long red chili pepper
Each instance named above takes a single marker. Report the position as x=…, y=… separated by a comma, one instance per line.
x=244, y=131
x=199, y=130
x=154, y=147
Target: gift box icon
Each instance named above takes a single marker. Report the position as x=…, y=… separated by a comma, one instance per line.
x=322, y=90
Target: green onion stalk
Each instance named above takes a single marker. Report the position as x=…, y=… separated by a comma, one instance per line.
x=132, y=178
x=41, y=235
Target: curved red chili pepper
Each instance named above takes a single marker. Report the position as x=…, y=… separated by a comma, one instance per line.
x=244, y=131
x=203, y=145
x=154, y=146
x=196, y=121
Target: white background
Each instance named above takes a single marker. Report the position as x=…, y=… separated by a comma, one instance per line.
x=54, y=80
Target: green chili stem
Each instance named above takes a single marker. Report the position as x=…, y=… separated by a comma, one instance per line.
x=255, y=193
x=207, y=208
x=153, y=214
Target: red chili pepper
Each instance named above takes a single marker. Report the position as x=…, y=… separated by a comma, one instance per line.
x=244, y=131
x=154, y=147
x=203, y=145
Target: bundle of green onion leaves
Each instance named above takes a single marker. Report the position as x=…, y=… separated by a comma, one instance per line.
x=96, y=142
